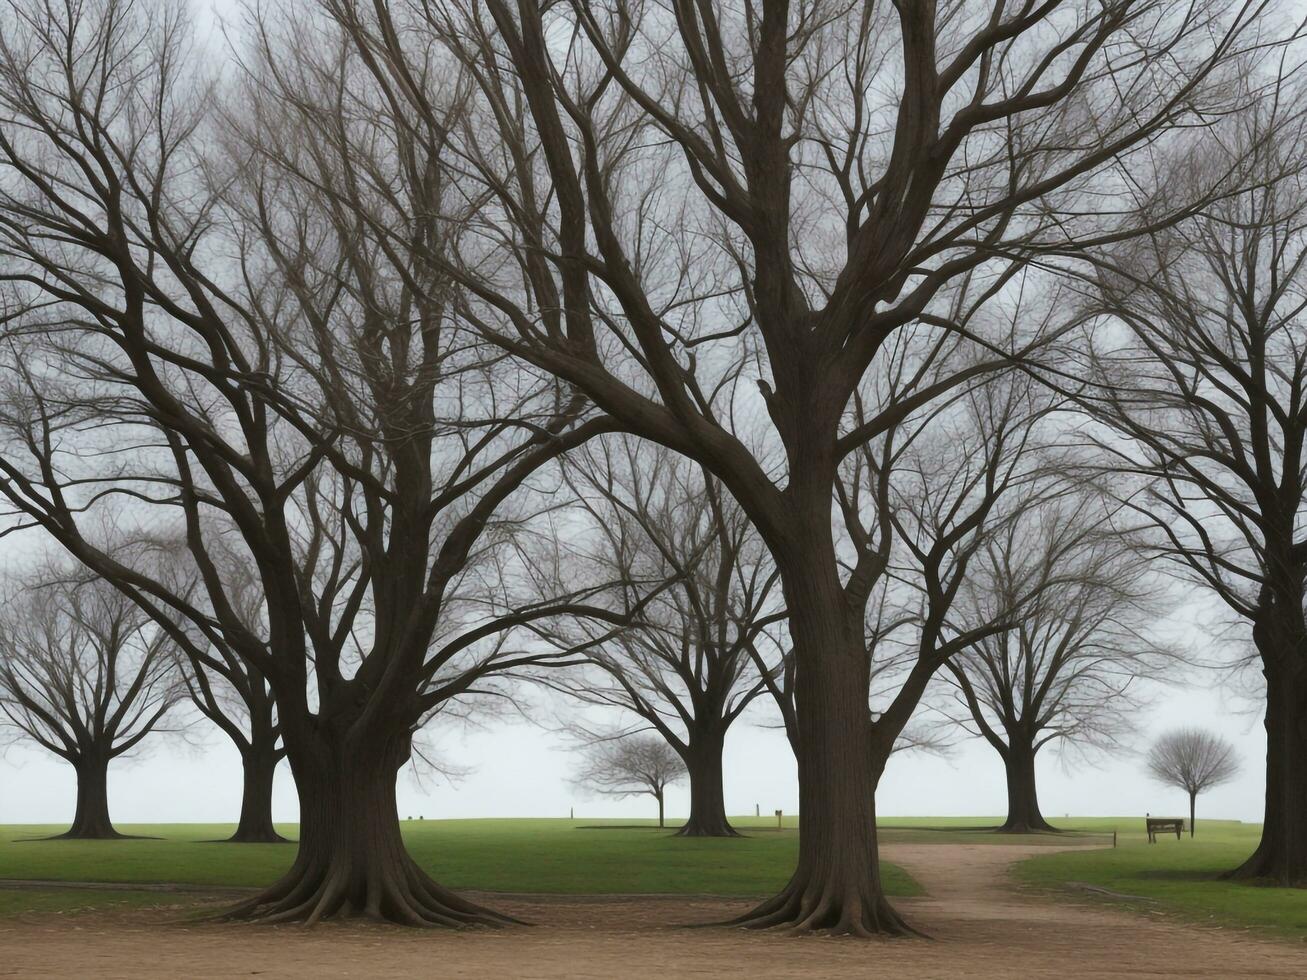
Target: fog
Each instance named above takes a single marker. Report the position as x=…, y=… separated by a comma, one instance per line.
x=521, y=770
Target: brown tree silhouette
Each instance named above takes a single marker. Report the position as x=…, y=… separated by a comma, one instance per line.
x=86, y=675
x=197, y=336
x=684, y=668
x=1068, y=572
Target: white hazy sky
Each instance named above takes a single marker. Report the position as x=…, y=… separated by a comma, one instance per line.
x=520, y=770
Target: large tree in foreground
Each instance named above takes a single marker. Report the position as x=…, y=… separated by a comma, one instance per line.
x=1068, y=572
x=231, y=319
x=1193, y=761
x=679, y=199
x=683, y=669
x=85, y=675
x=1198, y=358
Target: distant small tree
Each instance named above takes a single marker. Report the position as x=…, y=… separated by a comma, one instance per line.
x=1082, y=605
x=1193, y=760
x=632, y=766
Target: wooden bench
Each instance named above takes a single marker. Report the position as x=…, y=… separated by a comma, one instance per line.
x=1163, y=824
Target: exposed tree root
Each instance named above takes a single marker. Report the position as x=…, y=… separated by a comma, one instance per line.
x=1263, y=867
x=805, y=908
x=408, y=897
x=251, y=837
x=92, y=835
x=698, y=830
x=1027, y=828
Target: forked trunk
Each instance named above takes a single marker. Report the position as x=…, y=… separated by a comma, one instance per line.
x=259, y=765
x=707, y=801
x=1281, y=857
x=352, y=860
x=1023, y=814
x=91, y=818
x=837, y=886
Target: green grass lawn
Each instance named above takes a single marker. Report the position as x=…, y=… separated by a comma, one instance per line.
x=1175, y=876
x=554, y=856
x=634, y=857
x=980, y=830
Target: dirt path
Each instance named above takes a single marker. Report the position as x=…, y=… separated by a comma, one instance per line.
x=983, y=927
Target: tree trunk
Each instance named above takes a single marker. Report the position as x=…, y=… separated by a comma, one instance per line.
x=836, y=886
x=1281, y=856
x=259, y=764
x=352, y=859
x=1023, y=814
x=707, y=801
x=91, y=818
x=659, y=797
x=1193, y=805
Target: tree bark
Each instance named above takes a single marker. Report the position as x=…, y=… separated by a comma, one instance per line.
x=259, y=764
x=91, y=818
x=1023, y=814
x=661, y=824
x=1193, y=806
x=703, y=760
x=836, y=887
x=352, y=860
x=1281, y=856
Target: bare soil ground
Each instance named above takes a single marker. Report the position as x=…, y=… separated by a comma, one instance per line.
x=981, y=925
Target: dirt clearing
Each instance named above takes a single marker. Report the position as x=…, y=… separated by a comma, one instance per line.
x=982, y=926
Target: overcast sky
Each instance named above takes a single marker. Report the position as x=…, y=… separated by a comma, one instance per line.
x=520, y=770
x=517, y=769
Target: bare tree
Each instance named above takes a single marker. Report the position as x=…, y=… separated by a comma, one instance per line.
x=201, y=333
x=232, y=694
x=240, y=703
x=227, y=690
x=684, y=668
x=1198, y=360
x=675, y=201
x=1069, y=671
x=85, y=675
x=1194, y=761
x=632, y=765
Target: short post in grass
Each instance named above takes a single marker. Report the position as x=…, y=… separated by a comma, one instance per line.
x=778, y=819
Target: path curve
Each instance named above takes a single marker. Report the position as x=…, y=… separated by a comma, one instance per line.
x=972, y=903
x=983, y=927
